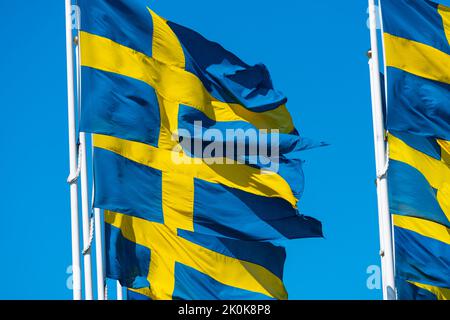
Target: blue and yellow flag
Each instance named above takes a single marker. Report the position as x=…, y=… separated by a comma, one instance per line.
x=163, y=263
x=419, y=191
x=149, y=86
x=185, y=219
x=417, y=50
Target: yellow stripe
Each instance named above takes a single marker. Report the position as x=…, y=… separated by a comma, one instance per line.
x=417, y=58
x=161, y=275
x=166, y=49
x=279, y=118
x=168, y=112
x=445, y=151
x=169, y=248
x=436, y=172
x=445, y=14
x=443, y=198
x=173, y=84
x=443, y=195
x=440, y=293
x=235, y=175
x=423, y=227
x=178, y=200
x=165, y=45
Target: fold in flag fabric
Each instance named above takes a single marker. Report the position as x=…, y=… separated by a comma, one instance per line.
x=417, y=50
x=184, y=220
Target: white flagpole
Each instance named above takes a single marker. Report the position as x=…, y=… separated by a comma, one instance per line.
x=86, y=221
x=384, y=217
x=99, y=242
x=99, y=255
x=119, y=291
x=87, y=261
x=76, y=275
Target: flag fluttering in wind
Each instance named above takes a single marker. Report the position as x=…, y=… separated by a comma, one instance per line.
x=417, y=50
x=196, y=159
x=168, y=264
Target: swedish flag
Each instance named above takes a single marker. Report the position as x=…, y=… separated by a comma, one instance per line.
x=180, y=226
x=419, y=190
x=416, y=39
x=162, y=263
x=417, y=48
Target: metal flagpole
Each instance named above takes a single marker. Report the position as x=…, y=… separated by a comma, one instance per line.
x=99, y=241
x=76, y=276
x=86, y=221
x=87, y=240
x=119, y=291
x=99, y=255
x=385, y=225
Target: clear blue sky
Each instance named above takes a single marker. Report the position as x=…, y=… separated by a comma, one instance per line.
x=315, y=51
